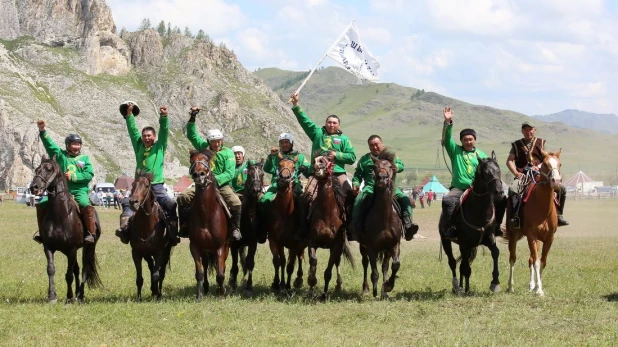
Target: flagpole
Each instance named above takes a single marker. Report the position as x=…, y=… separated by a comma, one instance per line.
x=323, y=57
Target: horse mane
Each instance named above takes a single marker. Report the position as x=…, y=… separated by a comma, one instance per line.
x=338, y=189
x=143, y=173
x=388, y=154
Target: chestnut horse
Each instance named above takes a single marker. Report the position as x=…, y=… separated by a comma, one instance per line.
x=147, y=235
x=62, y=230
x=208, y=229
x=282, y=224
x=247, y=246
x=540, y=221
x=382, y=227
x=326, y=225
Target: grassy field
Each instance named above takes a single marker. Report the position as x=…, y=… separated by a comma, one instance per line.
x=580, y=306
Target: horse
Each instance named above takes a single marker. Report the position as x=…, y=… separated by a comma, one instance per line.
x=147, y=234
x=539, y=222
x=208, y=228
x=247, y=246
x=281, y=226
x=62, y=230
x=382, y=227
x=475, y=219
x=326, y=225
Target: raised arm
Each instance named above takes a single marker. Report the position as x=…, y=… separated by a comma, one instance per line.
x=164, y=127
x=50, y=146
x=449, y=144
x=309, y=126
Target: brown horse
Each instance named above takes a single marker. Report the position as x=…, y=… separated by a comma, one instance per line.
x=540, y=221
x=208, y=231
x=247, y=246
x=282, y=224
x=382, y=227
x=147, y=235
x=326, y=224
x=62, y=230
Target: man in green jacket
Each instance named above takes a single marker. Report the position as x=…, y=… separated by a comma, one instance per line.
x=464, y=161
x=240, y=173
x=78, y=172
x=365, y=172
x=327, y=139
x=286, y=148
x=223, y=169
x=150, y=157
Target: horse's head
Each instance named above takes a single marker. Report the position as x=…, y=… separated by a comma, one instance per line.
x=323, y=165
x=286, y=172
x=200, y=167
x=487, y=178
x=550, y=168
x=384, y=168
x=141, y=189
x=255, y=177
x=45, y=175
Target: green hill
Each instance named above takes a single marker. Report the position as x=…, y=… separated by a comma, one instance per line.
x=410, y=120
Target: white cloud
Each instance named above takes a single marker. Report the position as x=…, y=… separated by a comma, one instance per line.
x=481, y=17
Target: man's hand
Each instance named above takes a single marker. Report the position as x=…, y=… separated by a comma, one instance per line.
x=192, y=113
x=129, y=109
x=355, y=190
x=331, y=155
x=67, y=175
x=41, y=125
x=274, y=150
x=519, y=175
x=448, y=115
x=163, y=110
x=294, y=99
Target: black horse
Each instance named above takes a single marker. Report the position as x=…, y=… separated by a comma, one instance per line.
x=475, y=220
x=247, y=246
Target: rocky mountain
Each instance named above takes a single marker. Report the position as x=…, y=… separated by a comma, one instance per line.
x=604, y=123
x=62, y=61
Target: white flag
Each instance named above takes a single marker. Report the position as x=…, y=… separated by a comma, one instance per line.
x=350, y=53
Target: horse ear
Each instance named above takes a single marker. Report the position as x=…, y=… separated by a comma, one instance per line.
x=54, y=157
x=544, y=153
x=374, y=159
x=295, y=159
x=557, y=154
x=261, y=162
x=192, y=152
x=279, y=155
x=493, y=155
x=44, y=157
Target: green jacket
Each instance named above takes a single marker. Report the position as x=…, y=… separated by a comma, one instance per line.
x=272, y=164
x=463, y=163
x=240, y=177
x=364, y=171
x=223, y=166
x=322, y=142
x=79, y=166
x=149, y=159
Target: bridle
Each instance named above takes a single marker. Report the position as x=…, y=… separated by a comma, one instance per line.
x=208, y=180
x=141, y=206
x=292, y=172
x=257, y=181
x=387, y=178
x=46, y=182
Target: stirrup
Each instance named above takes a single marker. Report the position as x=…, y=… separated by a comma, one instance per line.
x=236, y=235
x=37, y=238
x=515, y=223
x=449, y=234
x=411, y=231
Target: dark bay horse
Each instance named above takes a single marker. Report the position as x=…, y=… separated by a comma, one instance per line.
x=147, y=235
x=475, y=220
x=540, y=221
x=62, y=230
x=326, y=225
x=208, y=231
x=282, y=227
x=382, y=227
x=247, y=246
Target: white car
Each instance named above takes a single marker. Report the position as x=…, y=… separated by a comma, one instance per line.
x=105, y=188
x=23, y=196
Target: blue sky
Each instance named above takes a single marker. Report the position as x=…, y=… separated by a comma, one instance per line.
x=535, y=57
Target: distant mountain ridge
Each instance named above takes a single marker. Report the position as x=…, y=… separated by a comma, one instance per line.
x=604, y=123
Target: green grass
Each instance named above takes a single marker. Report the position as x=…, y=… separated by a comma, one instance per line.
x=579, y=308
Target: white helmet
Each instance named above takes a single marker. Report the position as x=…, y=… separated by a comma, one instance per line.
x=214, y=134
x=238, y=149
x=286, y=136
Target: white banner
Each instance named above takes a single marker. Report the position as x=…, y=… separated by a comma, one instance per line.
x=350, y=53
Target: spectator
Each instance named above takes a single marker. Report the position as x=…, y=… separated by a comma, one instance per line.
x=100, y=198
x=430, y=197
x=421, y=197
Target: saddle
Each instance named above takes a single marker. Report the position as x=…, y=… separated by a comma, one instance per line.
x=365, y=209
x=224, y=205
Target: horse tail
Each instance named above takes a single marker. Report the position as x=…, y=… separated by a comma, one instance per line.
x=90, y=266
x=347, y=254
x=212, y=263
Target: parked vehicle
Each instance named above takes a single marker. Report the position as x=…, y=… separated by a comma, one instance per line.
x=23, y=196
x=106, y=187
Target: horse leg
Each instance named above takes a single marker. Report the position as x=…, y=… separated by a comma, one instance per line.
x=365, y=260
x=71, y=260
x=452, y=263
x=390, y=284
x=243, y=260
x=282, y=268
x=339, y=286
x=51, y=271
x=154, y=276
x=312, y=280
x=250, y=265
x=274, y=249
x=464, y=268
x=165, y=260
x=373, y=260
x=546, y=248
x=512, y=259
x=495, y=274
x=335, y=252
x=221, y=258
x=139, y=280
x=290, y=268
x=298, y=282
x=533, y=264
x=79, y=287
x=199, y=271
x=233, y=281
x=385, y=262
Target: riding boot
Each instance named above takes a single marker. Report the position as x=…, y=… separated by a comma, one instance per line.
x=500, y=207
x=235, y=224
x=351, y=232
x=562, y=197
x=89, y=223
x=40, y=217
x=123, y=231
x=172, y=228
x=514, y=222
x=410, y=228
x=448, y=209
x=183, y=217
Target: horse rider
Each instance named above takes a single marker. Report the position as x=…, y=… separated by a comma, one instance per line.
x=330, y=139
x=464, y=162
x=149, y=157
x=78, y=172
x=240, y=172
x=527, y=154
x=271, y=165
x=222, y=167
x=364, y=172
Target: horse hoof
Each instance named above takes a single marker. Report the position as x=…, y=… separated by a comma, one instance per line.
x=298, y=282
x=510, y=290
x=52, y=301
x=365, y=292
x=310, y=294
x=495, y=288
x=323, y=297
x=338, y=288
x=233, y=285
x=540, y=293
x=248, y=293
x=385, y=296
x=71, y=301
